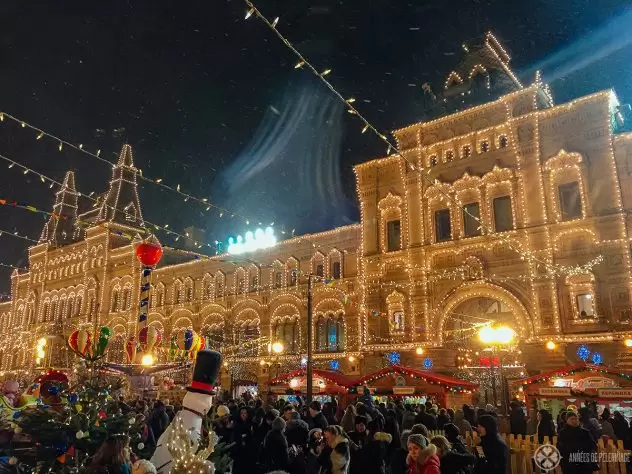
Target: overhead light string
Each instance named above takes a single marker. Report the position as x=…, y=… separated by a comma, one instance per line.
x=222, y=211
x=164, y=228
x=391, y=147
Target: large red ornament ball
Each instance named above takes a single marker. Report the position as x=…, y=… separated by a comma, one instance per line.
x=149, y=254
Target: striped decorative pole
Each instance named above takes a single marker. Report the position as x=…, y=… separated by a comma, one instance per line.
x=149, y=253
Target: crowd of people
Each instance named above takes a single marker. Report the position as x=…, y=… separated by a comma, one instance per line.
x=371, y=438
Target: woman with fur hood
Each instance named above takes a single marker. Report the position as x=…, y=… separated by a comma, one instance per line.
x=335, y=457
x=422, y=456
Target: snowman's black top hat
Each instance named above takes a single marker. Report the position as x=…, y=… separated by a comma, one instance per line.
x=207, y=365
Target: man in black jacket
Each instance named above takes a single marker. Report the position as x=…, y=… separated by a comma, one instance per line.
x=517, y=420
x=426, y=419
x=577, y=447
x=316, y=417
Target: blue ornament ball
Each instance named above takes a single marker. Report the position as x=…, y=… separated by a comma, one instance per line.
x=334, y=365
x=53, y=390
x=74, y=398
x=428, y=363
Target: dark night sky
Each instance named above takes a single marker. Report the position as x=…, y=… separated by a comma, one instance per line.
x=212, y=102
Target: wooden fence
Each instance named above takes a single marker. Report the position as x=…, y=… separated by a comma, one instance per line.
x=522, y=449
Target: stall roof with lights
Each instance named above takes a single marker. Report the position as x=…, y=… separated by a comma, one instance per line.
x=327, y=375
x=572, y=369
x=431, y=377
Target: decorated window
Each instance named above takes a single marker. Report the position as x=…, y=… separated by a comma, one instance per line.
x=449, y=155
x=293, y=277
x=320, y=270
x=484, y=146
x=471, y=220
x=240, y=284
x=503, y=141
x=582, y=296
x=214, y=336
x=394, y=235
x=503, y=216
x=286, y=332
x=443, y=227
x=247, y=335
x=466, y=151
x=335, y=271
x=570, y=200
x=278, y=279
x=395, y=304
x=433, y=160
x=113, y=302
x=585, y=306
x=330, y=333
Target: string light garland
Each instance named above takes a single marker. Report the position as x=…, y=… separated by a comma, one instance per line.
x=204, y=202
x=424, y=173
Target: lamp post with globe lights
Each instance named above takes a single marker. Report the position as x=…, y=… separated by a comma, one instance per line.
x=496, y=338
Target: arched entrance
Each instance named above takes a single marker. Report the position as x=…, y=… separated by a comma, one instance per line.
x=474, y=304
x=469, y=308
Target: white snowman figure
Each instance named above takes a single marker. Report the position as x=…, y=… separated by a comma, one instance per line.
x=196, y=403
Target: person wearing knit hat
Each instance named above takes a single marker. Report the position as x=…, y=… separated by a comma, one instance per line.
x=419, y=428
x=452, y=433
x=422, y=456
x=278, y=424
x=222, y=411
x=275, y=448
x=143, y=466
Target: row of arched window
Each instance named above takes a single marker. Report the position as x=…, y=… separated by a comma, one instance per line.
x=330, y=335
x=245, y=280
x=465, y=151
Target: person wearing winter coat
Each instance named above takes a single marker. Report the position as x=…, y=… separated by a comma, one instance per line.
x=159, y=419
x=243, y=461
x=399, y=456
x=392, y=427
x=495, y=454
x=588, y=421
x=460, y=421
x=359, y=437
x=367, y=398
x=316, y=417
x=335, y=458
x=426, y=418
x=546, y=427
x=517, y=422
x=274, y=453
x=621, y=429
x=422, y=456
x=606, y=425
x=442, y=418
x=575, y=439
x=315, y=447
x=532, y=422
x=408, y=417
x=223, y=425
x=348, y=419
x=297, y=431
x=372, y=451
x=453, y=436
x=451, y=461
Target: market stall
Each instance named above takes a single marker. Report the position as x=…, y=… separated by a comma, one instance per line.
x=325, y=384
x=576, y=384
x=418, y=386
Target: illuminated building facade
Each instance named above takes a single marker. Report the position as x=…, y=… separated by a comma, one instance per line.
x=498, y=211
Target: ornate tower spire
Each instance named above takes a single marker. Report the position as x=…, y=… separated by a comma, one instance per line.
x=61, y=227
x=121, y=204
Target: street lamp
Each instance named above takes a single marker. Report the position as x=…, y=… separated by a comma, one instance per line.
x=550, y=345
x=628, y=342
x=495, y=337
x=277, y=347
x=147, y=360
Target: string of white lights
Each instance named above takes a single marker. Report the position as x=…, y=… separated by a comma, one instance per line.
x=222, y=211
x=391, y=148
